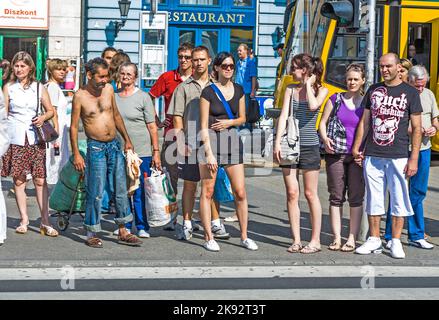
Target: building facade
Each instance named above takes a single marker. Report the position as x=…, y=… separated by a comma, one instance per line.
x=44, y=28
x=220, y=25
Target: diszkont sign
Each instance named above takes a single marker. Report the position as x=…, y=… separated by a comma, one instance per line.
x=24, y=14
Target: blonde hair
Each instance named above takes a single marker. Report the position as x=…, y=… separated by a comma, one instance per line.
x=56, y=64
x=27, y=59
x=406, y=64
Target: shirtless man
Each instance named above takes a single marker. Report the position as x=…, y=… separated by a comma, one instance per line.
x=95, y=105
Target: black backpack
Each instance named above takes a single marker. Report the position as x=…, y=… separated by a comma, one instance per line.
x=253, y=113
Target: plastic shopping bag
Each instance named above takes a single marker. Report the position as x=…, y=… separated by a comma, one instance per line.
x=160, y=200
x=223, y=189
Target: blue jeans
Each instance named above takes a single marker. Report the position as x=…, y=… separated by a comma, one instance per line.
x=105, y=163
x=418, y=186
x=138, y=200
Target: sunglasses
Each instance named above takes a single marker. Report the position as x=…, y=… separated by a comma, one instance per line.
x=185, y=57
x=227, y=66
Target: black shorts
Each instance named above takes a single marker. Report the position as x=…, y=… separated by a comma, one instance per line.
x=309, y=159
x=189, y=172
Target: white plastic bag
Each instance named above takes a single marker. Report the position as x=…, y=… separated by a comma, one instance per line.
x=160, y=200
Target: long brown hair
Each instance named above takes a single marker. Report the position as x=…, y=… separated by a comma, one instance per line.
x=27, y=59
x=118, y=59
x=313, y=66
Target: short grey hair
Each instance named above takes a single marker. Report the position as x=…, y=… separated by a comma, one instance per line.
x=418, y=72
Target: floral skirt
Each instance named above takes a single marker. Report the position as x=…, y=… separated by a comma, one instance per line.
x=20, y=161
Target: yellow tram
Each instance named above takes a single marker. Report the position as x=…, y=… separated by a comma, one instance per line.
x=398, y=25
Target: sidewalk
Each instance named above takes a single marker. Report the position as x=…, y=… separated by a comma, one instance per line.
x=268, y=226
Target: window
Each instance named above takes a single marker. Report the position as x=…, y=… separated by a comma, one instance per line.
x=238, y=36
x=349, y=46
x=242, y=3
x=420, y=38
x=209, y=39
x=200, y=2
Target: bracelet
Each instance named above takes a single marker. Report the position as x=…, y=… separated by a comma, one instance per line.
x=155, y=149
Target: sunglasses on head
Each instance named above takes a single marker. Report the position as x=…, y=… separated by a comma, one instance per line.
x=184, y=57
x=225, y=66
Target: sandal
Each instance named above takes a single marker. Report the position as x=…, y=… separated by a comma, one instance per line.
x=310, y=249
x=94, y=242
x=334, y=246
x=295, y=248
x=48, y=231
x=129, y=240
x=347, y=247
x=22, y=228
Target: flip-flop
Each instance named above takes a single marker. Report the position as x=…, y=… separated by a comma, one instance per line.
x=310, y=249
x=334, y=246
x=347, y=247
x=231, y=219
x=130, y=240
x=94, y=242
x=295, y=248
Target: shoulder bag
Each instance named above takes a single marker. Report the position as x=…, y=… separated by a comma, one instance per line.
x=335, y=130
x=45, y=133
x=290, y=139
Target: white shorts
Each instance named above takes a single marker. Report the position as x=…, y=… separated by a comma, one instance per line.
x=381, y=174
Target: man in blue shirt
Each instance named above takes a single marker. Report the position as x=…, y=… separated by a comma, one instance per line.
x=246, y=73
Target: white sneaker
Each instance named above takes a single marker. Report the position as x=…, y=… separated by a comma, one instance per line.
x=396, y=250
x=421, y=243
x=220, y=232
x=211, y=245
x=187, y=233
x=249, y=244
x=389, y=244
x=116, y=232
x=372, y=245
x=143, y=234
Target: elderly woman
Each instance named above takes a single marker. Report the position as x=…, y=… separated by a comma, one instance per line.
x=418, y=77
x=23, y=94
x=57, y=153
x=138, y=113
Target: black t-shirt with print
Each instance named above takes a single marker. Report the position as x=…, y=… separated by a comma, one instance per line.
x=390, y=110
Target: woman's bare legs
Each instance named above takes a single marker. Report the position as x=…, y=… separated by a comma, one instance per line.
x=310, y=182
x=292, y=191
x=336, y=214
x=207, y=187
x=42, y=193
x=20, y=198
x=354, y=224
x=237, y=181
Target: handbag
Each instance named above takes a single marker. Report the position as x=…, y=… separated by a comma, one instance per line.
x=253, y=113
x=45, y=133
x=335, y=130
x=290, y=140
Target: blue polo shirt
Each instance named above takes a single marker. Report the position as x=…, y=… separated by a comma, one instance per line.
x=246, y=69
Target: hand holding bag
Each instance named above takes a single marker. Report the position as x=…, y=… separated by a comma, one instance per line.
x=45, y=133
x=335, y=130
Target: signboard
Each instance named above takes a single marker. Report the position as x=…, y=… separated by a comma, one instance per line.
x=24, y=14
x=152, y=61
x=153, y=42
x=214, y=18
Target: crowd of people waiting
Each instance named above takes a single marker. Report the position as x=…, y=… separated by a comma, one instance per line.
x=382, y=139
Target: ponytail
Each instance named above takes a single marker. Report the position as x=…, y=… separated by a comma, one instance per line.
x=313, y=65
x=318, y=72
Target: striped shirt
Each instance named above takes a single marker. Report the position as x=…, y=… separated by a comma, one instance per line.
x=307, y=122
